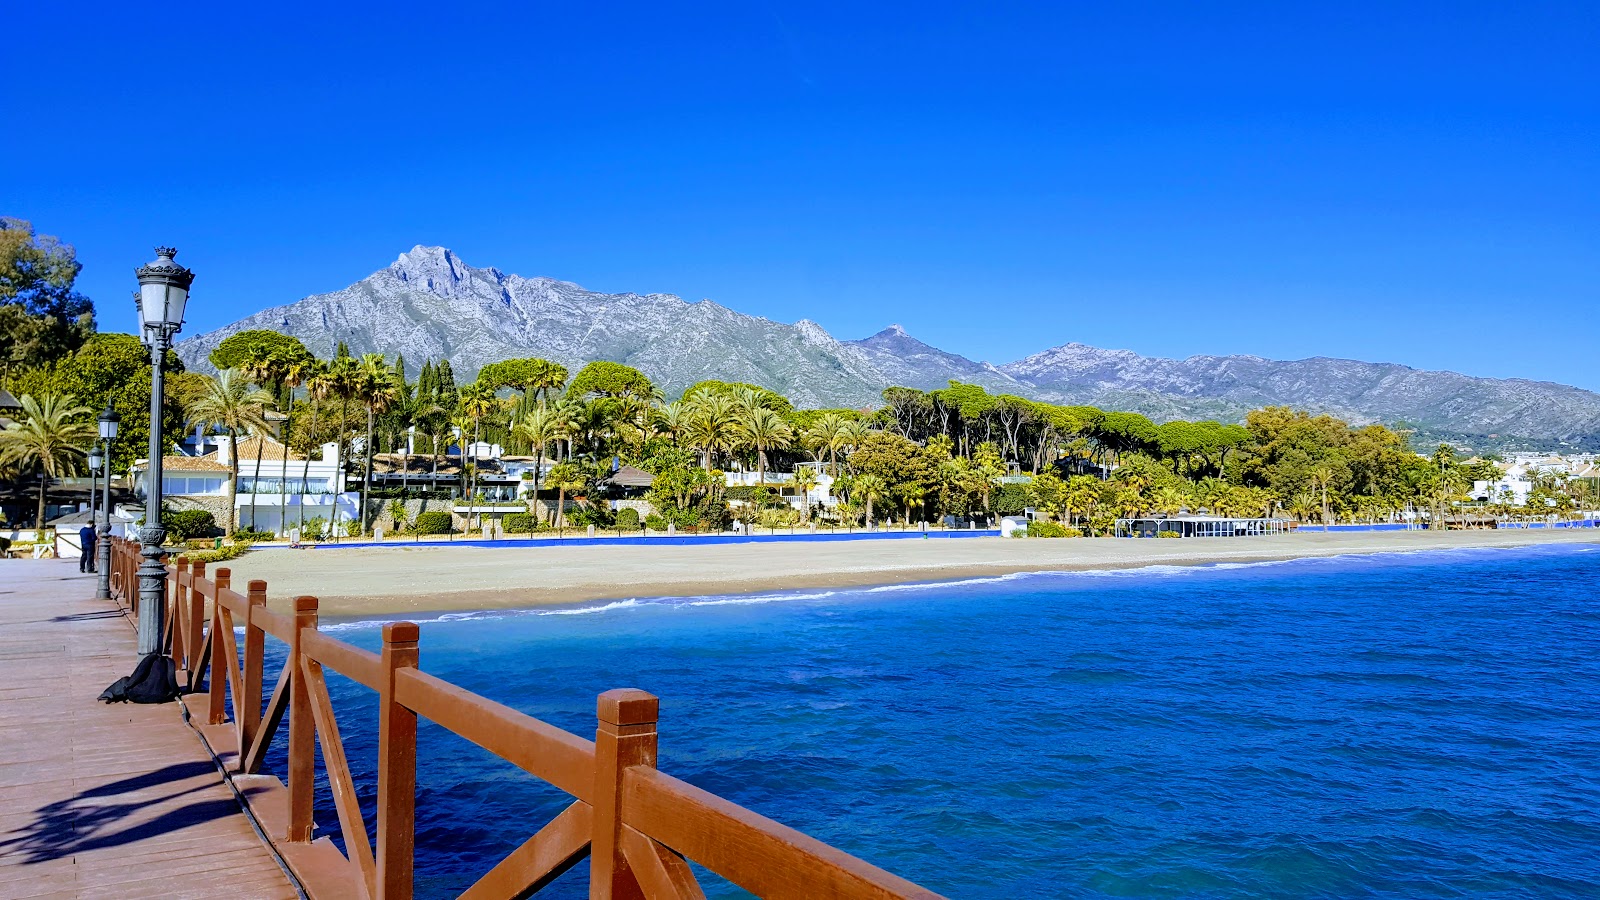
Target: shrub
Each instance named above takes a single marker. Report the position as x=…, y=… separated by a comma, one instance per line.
x=247, y=534
x=628, y=519
x=1168, y=534
x=199, y=543
x=1009, y=499
x=518, y=523
x=779, y=518
x=225, y=553
x=655, y=522
x=183, y=524
x=1040, y=528
x=433, y=522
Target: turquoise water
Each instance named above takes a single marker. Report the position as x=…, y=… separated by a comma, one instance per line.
x=1410, y=725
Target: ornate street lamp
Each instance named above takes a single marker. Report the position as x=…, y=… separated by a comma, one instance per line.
x=109, y=421
x=95, y=459
x=163, y=291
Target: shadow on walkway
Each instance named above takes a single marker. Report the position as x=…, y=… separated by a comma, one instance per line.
x=96, y=818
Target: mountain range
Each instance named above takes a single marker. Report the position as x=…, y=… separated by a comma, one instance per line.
x=430, y=304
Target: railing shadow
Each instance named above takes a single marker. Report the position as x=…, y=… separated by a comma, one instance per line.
x=117, y=814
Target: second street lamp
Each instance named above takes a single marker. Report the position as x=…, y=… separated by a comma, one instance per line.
x=163, y=293
x=109, y=422
x=87, y=561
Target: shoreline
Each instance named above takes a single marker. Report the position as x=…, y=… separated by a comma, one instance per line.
x=366, y=582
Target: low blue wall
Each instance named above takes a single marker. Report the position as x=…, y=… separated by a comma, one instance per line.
x=660, y=539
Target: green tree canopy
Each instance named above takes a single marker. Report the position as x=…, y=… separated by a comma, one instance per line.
x=609, y=379
x=254, y=346
x=42, y=318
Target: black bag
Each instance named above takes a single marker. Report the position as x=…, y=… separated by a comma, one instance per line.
x=154, y=680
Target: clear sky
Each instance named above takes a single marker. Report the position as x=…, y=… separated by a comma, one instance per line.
x=1418, y=184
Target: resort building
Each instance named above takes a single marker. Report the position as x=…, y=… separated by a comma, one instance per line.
x=787, y=490
x=1199, y=525
x=277, y=490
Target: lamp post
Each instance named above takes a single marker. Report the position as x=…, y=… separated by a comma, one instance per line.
x=163, y=291
x=109, y=421
x=95, y=459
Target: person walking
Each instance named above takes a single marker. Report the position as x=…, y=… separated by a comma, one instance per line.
x=86, y=541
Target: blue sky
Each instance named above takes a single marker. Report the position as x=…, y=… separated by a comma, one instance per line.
x=1411, y=183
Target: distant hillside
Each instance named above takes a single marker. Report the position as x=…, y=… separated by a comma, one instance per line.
x=429, y=303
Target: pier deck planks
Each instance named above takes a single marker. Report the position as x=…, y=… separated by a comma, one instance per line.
x=102, y=800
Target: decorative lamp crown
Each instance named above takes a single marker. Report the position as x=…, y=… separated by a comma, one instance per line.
x=163, y=292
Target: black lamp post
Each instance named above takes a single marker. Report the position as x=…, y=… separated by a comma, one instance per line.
x=95, y=460
x=109, y=421
x=163, y=291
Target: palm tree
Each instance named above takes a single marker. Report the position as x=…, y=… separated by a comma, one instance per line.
x=344, y=383
x=540, y=426
x=762, y=428
x=565, y=477
x=832, y=433
x=378, y=391
x=294, y=367
x=229, y=401
x=319, y=387
x=478, y=402
x=263, y=370
x=672, y=419
x=713, y=424
x=867, y=488
x=805, y=481
x=47, y=438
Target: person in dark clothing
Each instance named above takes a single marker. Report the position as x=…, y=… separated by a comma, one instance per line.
x=86, y=539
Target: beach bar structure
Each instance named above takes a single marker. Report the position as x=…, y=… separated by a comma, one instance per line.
x=1200, y=526
x=638, y=827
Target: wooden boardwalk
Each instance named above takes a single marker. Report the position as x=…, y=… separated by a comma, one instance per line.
x=102, y=800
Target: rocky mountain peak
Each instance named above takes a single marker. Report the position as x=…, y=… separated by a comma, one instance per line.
x=429, y=304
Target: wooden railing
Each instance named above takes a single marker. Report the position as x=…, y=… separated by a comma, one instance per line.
x=637, y=825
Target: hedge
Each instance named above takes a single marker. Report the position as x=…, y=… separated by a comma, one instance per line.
x=628, y=519
x=183, y=524
x=1040, y=528
x=518, y=523
x=433, y=522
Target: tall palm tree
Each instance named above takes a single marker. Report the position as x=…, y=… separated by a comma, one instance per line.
x=344, y=383
x=805, y=481
x=229, y=401
x=265, y=372
x=379, y=391
x=294, y=367
x=540, y=426
x=48, y=437
x=565, y=477
x=319, y=387
x=763, y=429
x=867, y=488
x=713, y=424
x=831, y=433
x=478, y=403
x=672, y=419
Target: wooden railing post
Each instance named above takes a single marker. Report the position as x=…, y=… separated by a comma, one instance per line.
x=626, y=737
x=302, y=730
x=255, y=645
x=397, y=768
x=177, y=624
x=194, y=617
x=220, y=670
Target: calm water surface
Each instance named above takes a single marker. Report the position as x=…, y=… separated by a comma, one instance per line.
x=1412, y=725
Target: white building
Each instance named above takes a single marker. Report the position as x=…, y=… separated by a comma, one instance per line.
x=276, y=494
x=784, y=484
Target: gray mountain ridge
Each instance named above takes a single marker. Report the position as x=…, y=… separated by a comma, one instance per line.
x=429, y=304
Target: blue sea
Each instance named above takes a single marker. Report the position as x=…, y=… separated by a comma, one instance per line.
x=1404, y=725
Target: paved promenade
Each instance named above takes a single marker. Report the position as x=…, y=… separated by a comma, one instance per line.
x=102, y=800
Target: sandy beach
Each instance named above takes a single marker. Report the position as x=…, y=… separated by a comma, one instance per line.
x=402, y=580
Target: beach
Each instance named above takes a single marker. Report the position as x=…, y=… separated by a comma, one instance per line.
x=403, y=579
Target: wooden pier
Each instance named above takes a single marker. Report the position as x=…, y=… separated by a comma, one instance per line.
x=98, y=800
x=637, y=826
